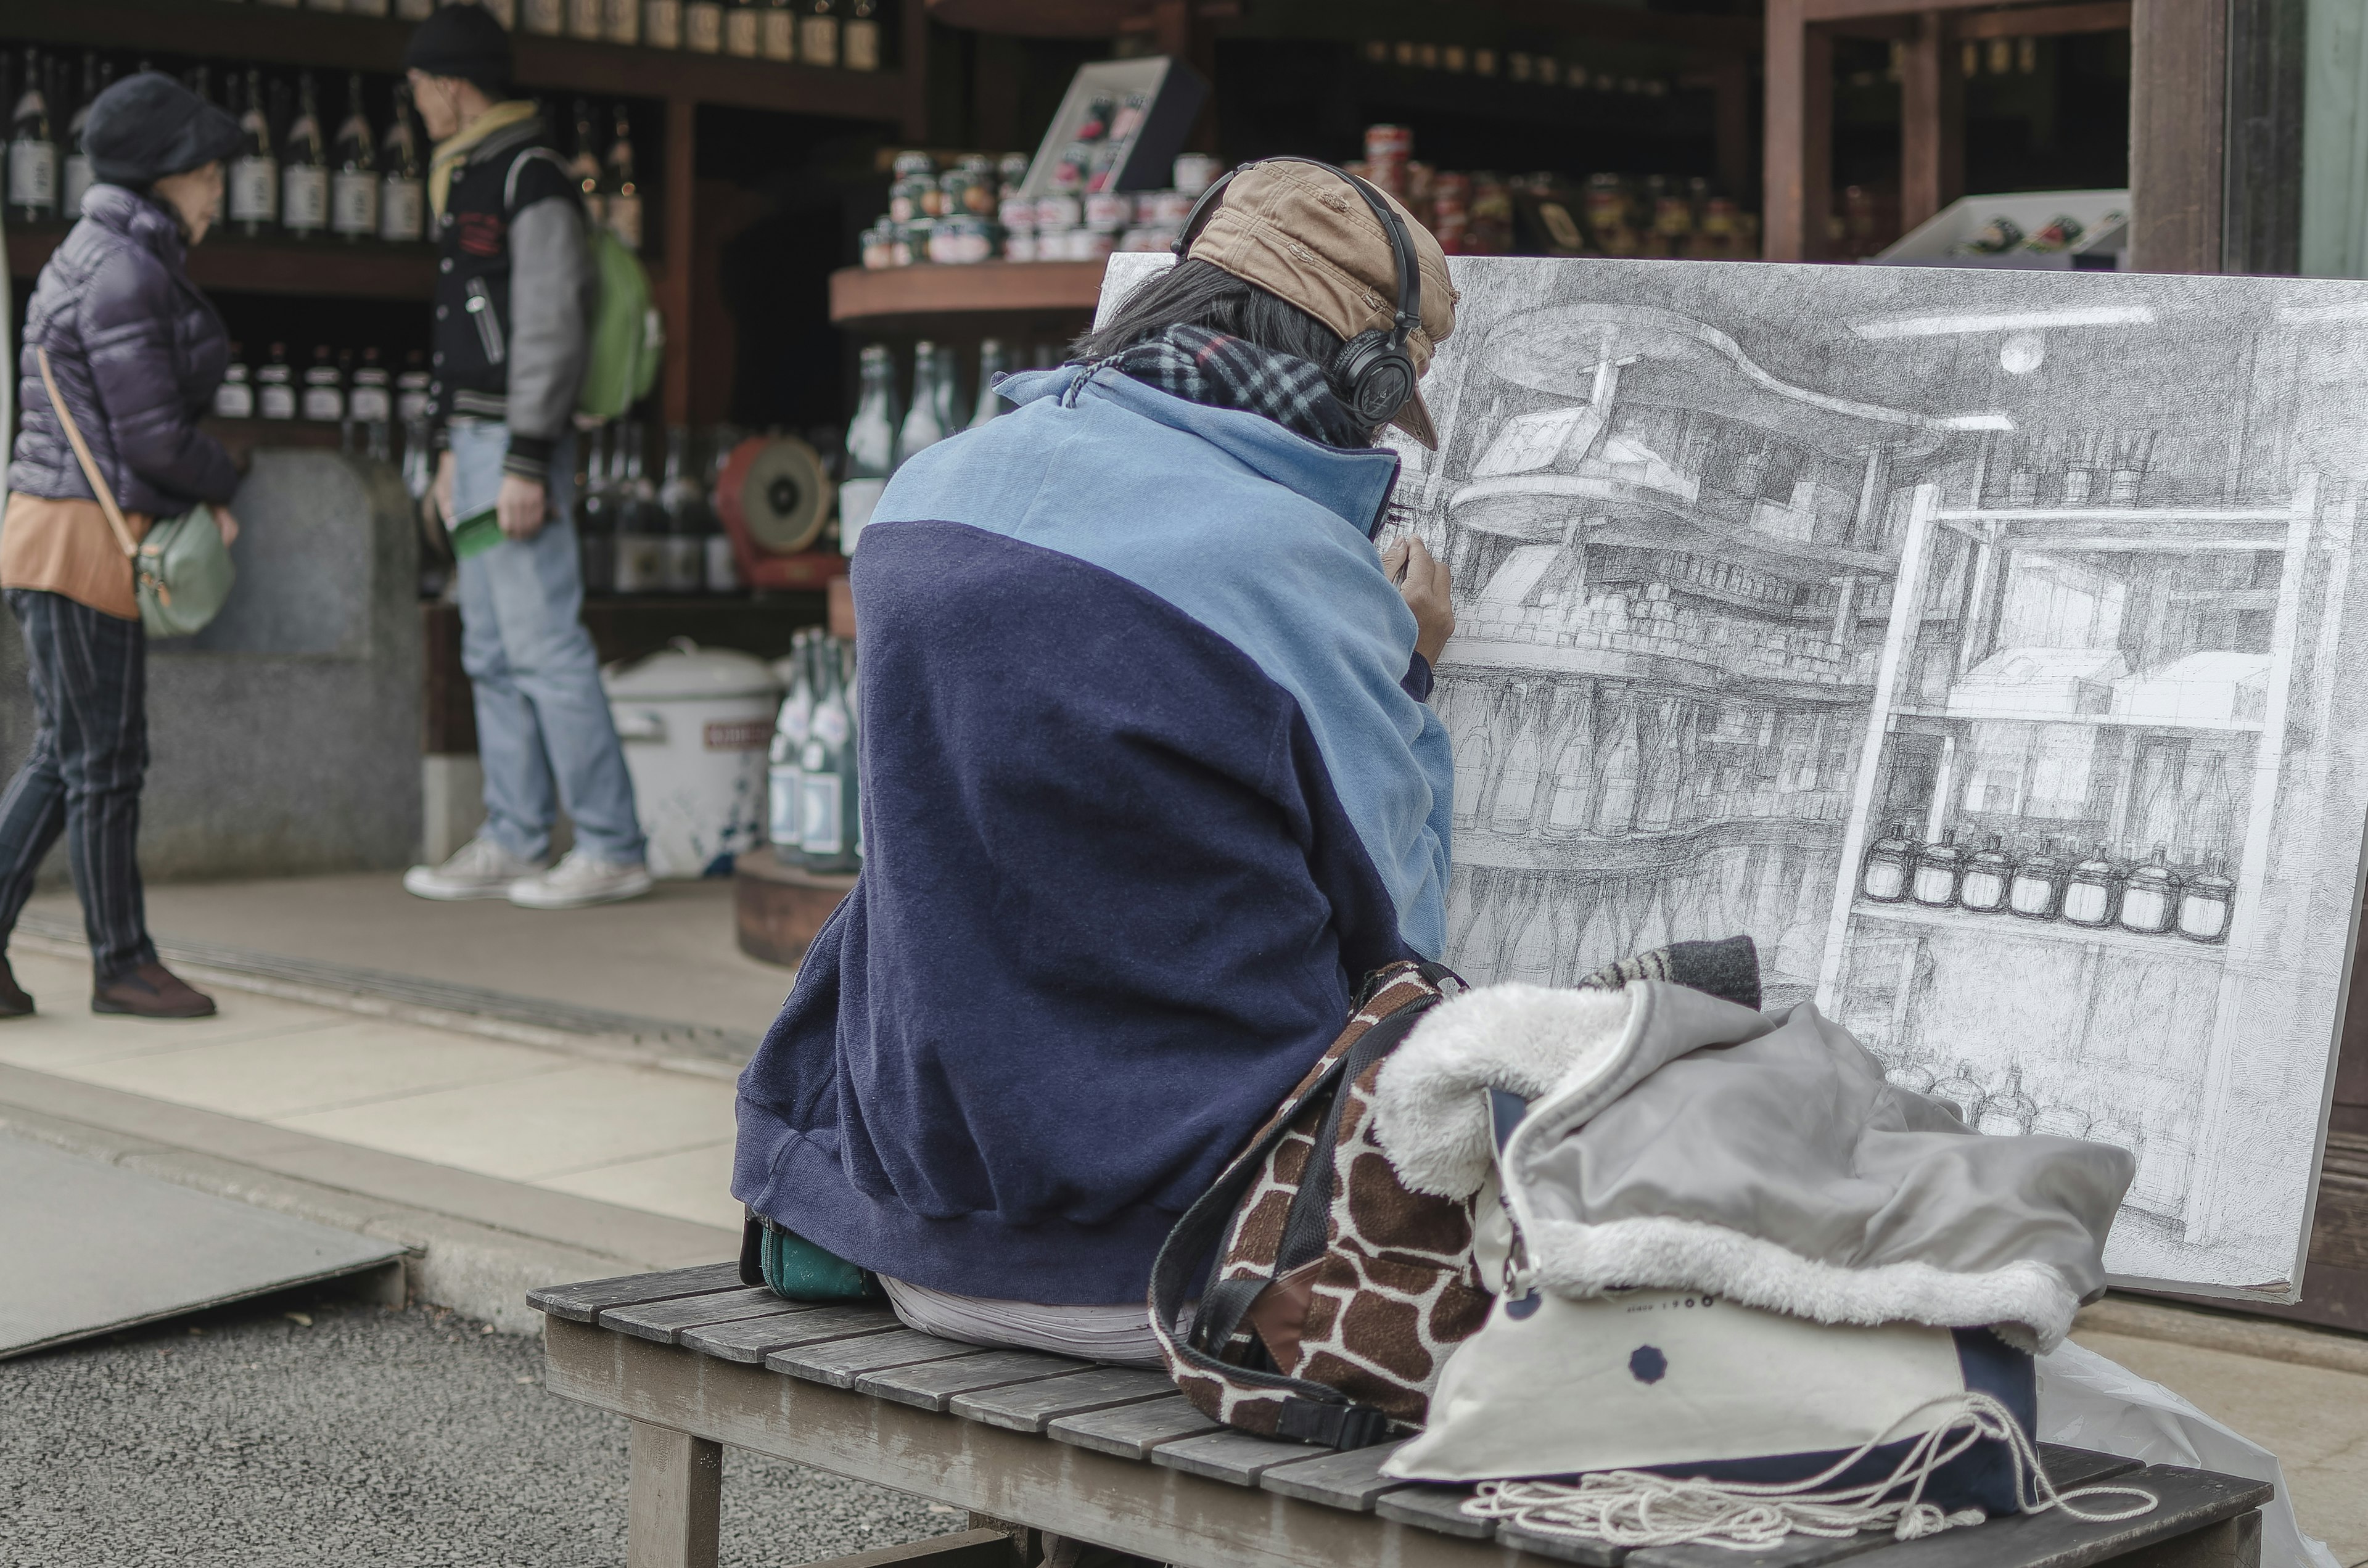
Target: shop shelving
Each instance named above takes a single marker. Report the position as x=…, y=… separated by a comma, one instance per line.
x=988, y=287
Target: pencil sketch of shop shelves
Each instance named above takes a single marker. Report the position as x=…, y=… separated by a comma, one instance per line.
x=2063, y=815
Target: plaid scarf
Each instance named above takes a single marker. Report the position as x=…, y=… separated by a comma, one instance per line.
x=1208, y=368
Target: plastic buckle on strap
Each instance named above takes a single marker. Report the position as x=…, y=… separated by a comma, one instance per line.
x=1333, y=1426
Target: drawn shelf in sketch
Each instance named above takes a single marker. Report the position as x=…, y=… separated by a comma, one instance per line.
x=1993, y=689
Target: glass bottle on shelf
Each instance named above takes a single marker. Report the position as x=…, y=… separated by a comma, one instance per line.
x=597, y=509
x=622, y=202
x=411, y=388
x=742, y=29
x=587, y=19
x=32, y=150
x=402, y=182
x=548, y=18
x=274, y=386
x=1937, y=867
x=2205, y=902
x=993, y=363
x=304, y=167
x=2088, y=891
x=369, y=395
x=924, y=422
x=2036, y=890
x=946, y=385
x=586, y=165
x=324, y=389
x=2150, y=896
x=859, y=36
x=354, y=189
x=620, y=21
x=778, y=36
x=722, y=567
x=1615, y=803
x=703, y=26
x=1882, y=877
x=826, y=771
x=641, y=525
x=871, y=447
x=98, y=76
x=686, y=536
x=818, y=33
x=785, y=785
x=235, y=399
x=1983, y=888
x=662, y=23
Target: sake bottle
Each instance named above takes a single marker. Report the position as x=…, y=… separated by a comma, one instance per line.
x=872, y=440
x=826, y=822
x=254, y=174
x=993, y=363
x=304, y=167
x=784, y=781
x=924, y=424
x=402, y=182
x=354, y=189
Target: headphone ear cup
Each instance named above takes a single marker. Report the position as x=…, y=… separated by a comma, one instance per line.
x=1377, y=378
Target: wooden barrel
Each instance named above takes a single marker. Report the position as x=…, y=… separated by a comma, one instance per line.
x=779, y=908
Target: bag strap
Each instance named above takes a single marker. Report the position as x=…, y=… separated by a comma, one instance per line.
x=509, y=180
x=99, y=487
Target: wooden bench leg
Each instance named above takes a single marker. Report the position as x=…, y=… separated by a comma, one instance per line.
x=677, y=1496
x=2231, y=1543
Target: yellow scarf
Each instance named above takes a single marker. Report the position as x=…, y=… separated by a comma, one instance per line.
x=450, y=155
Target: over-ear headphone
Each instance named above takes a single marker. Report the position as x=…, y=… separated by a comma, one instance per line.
x=1373, y=369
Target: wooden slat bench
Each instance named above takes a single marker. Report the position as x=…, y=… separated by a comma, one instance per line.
x=695, y=1360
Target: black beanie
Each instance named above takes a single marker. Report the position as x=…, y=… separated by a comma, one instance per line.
x=148, y=126
x=462, y=40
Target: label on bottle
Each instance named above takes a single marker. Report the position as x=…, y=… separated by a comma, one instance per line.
x=641, y=564
x=304, y=197
x=703, y=26
x=79, y=179
x=621, y=21
x=546, y=16
x=275, y=400
x=819, y=832
x=856, y=497
x=323, y=402
x=32, y=173
x=1982, y=892
x=818, y=41
x=234, y=400
x=860, y=40
x=722, y=566
x=662, y=23
x=686, y=564
x=2146, y=909
x=623, y=215
x=786, y=786
x=2085, y=903
x=353, y=201
x=401, y=208
x=830, y=724
x=369, y=403
x=780, y=35
x=587, y=20
x=740, y=32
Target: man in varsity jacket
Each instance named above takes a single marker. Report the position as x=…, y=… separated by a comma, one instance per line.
x=514, y=295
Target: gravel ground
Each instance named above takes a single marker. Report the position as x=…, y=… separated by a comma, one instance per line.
x=309, y=1430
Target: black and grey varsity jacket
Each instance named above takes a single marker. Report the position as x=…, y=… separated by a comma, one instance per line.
x=514, y=295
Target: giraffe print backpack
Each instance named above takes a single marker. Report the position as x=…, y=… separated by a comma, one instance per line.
x=1338, y=1291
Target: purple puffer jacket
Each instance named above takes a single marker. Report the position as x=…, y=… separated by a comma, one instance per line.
x=137, y=352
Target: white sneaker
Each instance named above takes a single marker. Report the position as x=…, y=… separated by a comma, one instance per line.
x=479, y=868
x=579, y=880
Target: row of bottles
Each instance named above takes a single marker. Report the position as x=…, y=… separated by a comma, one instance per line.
x=2011, y=1105
x=1565, y=758
x=604, y=168
x=2151, y=897
x=636, y=537
x=831, y=33
x=813, y=816
x=885, y=431
x=335, y=387
x=1655, y=618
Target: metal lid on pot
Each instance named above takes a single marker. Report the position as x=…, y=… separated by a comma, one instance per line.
x=685, y=672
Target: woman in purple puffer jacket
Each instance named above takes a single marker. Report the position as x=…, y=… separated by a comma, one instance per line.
x=136, y=352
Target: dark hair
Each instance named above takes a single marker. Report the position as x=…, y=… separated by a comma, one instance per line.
x=1200, y=293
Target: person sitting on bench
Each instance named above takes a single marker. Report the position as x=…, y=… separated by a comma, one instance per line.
x=1150, y=781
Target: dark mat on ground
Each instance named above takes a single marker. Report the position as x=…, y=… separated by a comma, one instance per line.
x=245, y=1438
x=89, y=1247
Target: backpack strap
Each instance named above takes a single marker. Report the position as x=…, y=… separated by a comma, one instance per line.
x=510, y=181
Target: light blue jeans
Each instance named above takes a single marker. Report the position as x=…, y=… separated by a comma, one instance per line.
x=542, y=718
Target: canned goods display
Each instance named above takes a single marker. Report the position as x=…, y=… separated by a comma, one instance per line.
x=1108, y=209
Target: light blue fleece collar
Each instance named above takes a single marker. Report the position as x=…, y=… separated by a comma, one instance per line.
x=1353, y=482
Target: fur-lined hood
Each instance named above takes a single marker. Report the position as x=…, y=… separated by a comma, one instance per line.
x=1675, y=1139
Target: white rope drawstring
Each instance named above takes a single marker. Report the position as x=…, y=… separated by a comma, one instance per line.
x=1630, y=1508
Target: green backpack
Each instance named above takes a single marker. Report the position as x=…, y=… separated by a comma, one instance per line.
x=627, y=337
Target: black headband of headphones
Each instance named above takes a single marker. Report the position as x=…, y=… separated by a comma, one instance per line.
x=1409, y=275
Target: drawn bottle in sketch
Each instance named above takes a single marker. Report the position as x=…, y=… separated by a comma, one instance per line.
x=2088, y=891
x=2009, y=1112
x=2035, y=891
x=1983, y=888
x=1469, y=729
x=1937, y=866
x=1884, y=878
x=2205, y=902
x=1517, y=783
x=1657, y=797
x=1570, y=803
x=1615, y=807
x=2154, y=803
x=1537, y=935
x=1964, y=1091
x=2208, y=821
x=2150, y=896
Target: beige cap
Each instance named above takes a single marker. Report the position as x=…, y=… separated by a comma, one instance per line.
x=1300, y=232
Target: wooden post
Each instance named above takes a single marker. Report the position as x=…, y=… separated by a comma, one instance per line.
x=676, y=1499
x=1932, y=123
x=1797, y=194
x=1730, y=78
x=2179, y=79
x=674, y=283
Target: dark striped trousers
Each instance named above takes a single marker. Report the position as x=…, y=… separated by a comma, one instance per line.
x=82, y=777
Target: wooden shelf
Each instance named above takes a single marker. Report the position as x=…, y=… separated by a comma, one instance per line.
x=2006, y=925
x=323, y=268
x=858, y=294
x=1535, y=507
x=219, y=30
x=2112, y=721
x=1635, y=853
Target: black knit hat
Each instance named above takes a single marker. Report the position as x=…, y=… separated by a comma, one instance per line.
x=461, y=40
x=148, y=126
